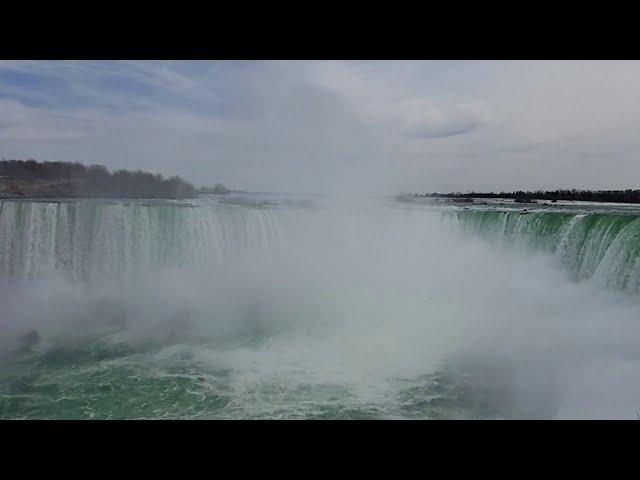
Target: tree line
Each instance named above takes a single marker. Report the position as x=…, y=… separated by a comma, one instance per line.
x=96, y=180
x=618, y=196
x=218, y=189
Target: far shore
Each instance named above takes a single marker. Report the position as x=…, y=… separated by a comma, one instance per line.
x=600, y=196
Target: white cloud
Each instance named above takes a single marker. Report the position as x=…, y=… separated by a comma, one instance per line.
x=327, y=126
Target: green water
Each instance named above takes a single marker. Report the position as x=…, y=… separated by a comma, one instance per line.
x=109, y=379
x=603, y=247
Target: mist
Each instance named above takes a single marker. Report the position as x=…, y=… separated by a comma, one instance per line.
x=363, y=296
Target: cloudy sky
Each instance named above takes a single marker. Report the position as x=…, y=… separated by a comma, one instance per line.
x=326, y=126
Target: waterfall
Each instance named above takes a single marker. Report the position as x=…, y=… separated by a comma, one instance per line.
x=90, y=240
x=86, y=240
x=604, y=247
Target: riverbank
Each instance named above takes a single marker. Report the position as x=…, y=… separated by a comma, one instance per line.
x=573, y=195
x=12, y=188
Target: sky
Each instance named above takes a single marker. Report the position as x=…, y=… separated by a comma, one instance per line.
x=333, y=126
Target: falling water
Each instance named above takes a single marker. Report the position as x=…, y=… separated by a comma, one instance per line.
x=87, y=241
x=604, y=247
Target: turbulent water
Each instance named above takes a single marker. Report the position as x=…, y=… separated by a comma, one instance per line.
x=274, y=308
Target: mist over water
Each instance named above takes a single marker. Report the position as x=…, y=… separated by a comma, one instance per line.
x=263, y=307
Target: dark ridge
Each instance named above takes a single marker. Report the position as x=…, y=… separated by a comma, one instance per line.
x=617, y=196
x=29, y=178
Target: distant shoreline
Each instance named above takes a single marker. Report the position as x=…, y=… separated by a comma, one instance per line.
x=102, y=196
x=32, y=179
x=602, y=196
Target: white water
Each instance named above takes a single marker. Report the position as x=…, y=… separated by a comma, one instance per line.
x=91, y=240
x=360, y=298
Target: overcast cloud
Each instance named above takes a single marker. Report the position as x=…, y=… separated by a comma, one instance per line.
x=318, y=127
